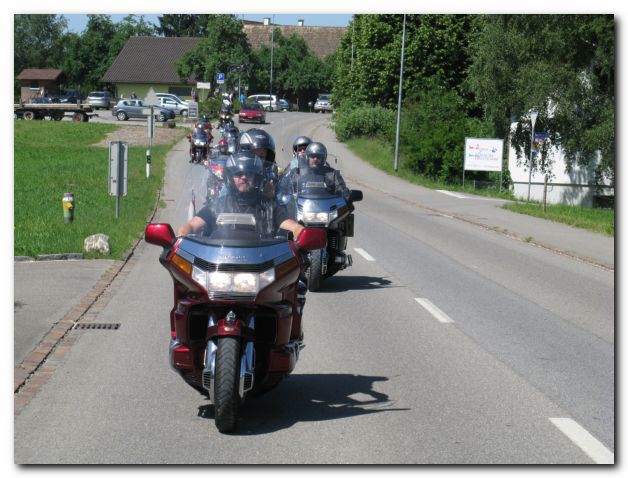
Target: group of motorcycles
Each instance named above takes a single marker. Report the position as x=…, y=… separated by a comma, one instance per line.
x=236, y=321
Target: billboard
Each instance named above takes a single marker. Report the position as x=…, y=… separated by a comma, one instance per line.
x=483, y=154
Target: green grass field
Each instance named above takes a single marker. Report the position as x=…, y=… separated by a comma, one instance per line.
x=382, y=157
x=52, y=158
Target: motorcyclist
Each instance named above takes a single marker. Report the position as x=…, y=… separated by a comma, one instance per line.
x=315, y=162
x=262, y=144
x=245, y=174
x=298, y=152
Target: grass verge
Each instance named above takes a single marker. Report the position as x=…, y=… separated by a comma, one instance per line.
x=595, y=220
x=381, y=156
x=52, y=158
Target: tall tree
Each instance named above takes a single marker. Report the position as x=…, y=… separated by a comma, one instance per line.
x=368, y=57
x=297, y=73
x=563, y=66
x=177, y=25
x=38, y=41
x=225, y=44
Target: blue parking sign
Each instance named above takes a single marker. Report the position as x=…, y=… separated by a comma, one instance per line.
x=220, y=78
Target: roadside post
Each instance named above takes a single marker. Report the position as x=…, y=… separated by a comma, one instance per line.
x=118, y=170
x=68, y=208
x=533, y=115
x=151, y=99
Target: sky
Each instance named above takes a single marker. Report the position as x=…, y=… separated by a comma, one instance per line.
x=77, y=22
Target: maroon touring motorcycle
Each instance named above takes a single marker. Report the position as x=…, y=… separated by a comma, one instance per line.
x=236, y=321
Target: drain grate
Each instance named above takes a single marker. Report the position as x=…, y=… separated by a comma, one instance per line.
x=96, y=326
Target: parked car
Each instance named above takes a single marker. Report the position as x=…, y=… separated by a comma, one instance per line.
x=283, y=104
x=252, y=112
x=100, y=99
x=44, y=100
x=126, y=109
x=323, y=103
x=171, y=95
x=72, y=96
x=170, y=103
x=269, y=102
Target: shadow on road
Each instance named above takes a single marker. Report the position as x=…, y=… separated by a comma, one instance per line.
x=308, y=397
x=345, y=283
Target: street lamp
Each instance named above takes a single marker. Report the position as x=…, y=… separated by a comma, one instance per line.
x=533, y=115
x=403, y=44
x=272, y=49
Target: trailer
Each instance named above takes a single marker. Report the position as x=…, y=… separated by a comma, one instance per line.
x=53, y=111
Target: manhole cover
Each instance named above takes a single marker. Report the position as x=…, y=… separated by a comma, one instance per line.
x=96, y=326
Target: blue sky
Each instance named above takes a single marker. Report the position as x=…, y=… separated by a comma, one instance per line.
x=77, y=22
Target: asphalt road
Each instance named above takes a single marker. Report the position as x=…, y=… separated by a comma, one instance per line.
x=446, y=342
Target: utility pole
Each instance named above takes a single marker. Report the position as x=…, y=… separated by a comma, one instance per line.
x=272, y=50
x=403, y=44
x=533, y=115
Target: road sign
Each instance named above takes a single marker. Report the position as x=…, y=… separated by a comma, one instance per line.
x=151, y=98
x=118, y=168
x=192, y=109
x=220, y=78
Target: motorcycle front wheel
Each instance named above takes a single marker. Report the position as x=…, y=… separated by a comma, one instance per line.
x=227, y=383
x=314, y=272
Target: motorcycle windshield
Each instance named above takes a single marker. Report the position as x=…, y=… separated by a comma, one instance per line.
x=243, y=230
x=200, y=135
x=317, y=179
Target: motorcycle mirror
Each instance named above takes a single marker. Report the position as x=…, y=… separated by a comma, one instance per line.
x=312, y=238
x=159, y=234
x=356, y=195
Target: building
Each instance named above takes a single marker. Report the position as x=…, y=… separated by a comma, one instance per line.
x=40, y=82
x=575, y=187
x=150, y=62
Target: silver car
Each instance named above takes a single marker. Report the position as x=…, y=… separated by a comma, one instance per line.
x=323, y=104
x=169, y=103
x=100, y=99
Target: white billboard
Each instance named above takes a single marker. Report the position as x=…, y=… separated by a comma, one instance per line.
x=483, y=154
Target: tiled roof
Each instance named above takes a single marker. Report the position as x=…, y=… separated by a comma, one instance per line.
x=40, y=74
x=322, y=41
x=153, y=59
x=149, y=60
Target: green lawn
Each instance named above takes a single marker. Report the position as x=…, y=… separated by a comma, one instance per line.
x=52, y=158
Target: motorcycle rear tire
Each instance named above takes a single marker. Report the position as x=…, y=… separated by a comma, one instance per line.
x=227, y=384
x=314, y=271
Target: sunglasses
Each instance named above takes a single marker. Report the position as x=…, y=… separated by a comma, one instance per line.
x=244, y=173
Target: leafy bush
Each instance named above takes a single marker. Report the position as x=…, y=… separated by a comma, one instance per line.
x=364, y=121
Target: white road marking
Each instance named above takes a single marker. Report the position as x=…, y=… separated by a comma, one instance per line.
x=585, y=441
x=364, y=254
x=449, y=193
x=435, y=311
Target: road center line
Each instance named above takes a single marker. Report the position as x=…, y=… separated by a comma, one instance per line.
x=435, y=311
x=585, y=441
x=364, y=254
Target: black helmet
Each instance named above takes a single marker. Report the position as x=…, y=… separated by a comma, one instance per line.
x=256, y=139
x=205, y=119
x=317, y=150
x=301, y=141
x=245, y=162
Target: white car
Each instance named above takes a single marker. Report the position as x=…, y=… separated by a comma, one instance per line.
x=172, y=96
x=323, y=103
x=179, y=107
x=269, y=102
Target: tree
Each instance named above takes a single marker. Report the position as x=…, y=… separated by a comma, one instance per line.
x=225, y=44
x=177, y=25
x=560, y=65
x=368, y=57
x=297, y=72
x=38, y=42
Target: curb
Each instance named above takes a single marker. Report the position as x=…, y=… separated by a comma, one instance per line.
x=72, y=256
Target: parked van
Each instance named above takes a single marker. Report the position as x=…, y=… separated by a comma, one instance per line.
x=269, y=102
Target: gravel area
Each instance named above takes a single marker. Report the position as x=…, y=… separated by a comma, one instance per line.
x=138, y=135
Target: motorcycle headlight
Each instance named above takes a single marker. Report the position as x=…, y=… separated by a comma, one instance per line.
x=199, y=143
x=317, y=217
x=242, y=282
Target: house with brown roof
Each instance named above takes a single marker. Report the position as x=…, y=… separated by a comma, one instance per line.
x=150, y=62
x=39, y=81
